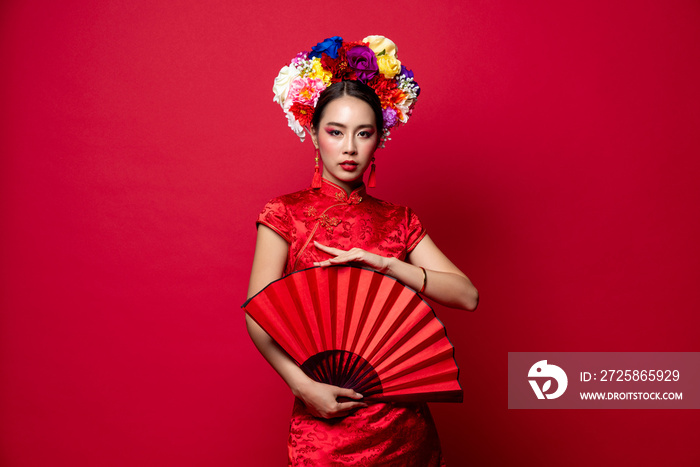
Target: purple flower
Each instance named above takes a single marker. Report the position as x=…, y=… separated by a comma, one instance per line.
x=409, y=74
x=362, y=60
x=390, y=117
x=329, y=46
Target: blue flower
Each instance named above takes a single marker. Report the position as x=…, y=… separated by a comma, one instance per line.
x=329, y=46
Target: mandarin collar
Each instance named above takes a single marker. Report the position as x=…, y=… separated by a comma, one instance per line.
x=339, y=194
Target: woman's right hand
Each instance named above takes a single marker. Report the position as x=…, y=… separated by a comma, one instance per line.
x=321, y=399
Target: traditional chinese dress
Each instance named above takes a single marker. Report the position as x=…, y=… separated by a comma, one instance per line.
x=383, y=434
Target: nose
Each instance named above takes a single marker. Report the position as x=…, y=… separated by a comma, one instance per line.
x=350, y=146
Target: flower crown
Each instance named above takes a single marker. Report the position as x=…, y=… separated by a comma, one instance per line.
x=372, y=61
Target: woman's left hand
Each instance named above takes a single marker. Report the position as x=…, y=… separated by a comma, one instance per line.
x=354, y=255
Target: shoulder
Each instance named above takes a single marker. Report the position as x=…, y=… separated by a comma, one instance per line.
x=284, y=207
x=293, y=198
x=397, y=210
x=405, y=221
x=290, y=199
x=279, y=213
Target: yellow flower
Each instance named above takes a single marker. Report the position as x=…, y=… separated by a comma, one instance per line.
x=380, y=45
x=389, y=66
x=318, y=72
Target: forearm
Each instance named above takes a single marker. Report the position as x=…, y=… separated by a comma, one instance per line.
x=282, y=363
x=320, y=399
x=447, y=288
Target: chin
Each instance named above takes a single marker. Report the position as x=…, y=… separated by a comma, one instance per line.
x=351, y=179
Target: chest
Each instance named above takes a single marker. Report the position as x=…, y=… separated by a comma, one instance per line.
x=371, y=226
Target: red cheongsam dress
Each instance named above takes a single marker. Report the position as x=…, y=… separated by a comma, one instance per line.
x=383, y=434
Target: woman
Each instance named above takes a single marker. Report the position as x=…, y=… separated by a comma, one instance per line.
x=337, y=222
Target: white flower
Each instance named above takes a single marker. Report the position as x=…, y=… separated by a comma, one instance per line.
x=408, y=86
x=405, y=108
x=281, y=86
x=295, y=126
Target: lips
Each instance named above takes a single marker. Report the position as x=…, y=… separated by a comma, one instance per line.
x=349, y=165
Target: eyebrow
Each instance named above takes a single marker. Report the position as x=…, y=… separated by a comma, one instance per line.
x=367, y=125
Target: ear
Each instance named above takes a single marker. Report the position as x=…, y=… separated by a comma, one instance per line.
x=314, y=135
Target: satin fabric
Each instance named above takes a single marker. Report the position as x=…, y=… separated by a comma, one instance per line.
x=383, y=434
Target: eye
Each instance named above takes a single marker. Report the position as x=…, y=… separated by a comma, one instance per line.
x=365, y=134
x=333, y=132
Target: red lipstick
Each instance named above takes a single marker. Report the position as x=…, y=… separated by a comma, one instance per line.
x=348, y=165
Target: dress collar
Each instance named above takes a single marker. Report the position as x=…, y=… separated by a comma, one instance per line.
x=339, y=194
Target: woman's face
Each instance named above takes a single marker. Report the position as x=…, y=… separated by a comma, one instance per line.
x=346, y=138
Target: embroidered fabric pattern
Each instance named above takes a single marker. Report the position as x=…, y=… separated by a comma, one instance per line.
x=355, y=220
x=327, y=222
x=398, y=435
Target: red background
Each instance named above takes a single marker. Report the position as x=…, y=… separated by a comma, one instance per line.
x=553, y=155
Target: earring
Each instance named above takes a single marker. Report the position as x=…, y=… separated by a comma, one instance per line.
x=372, y=180
x=316, y=182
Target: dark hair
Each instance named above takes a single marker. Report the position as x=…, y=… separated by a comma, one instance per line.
x=353, y=89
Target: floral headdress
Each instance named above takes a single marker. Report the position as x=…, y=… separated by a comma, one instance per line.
x=372, y=61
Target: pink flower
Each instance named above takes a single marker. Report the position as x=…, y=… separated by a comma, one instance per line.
x=304, y=91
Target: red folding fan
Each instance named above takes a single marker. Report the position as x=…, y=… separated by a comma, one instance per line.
x=360, y=329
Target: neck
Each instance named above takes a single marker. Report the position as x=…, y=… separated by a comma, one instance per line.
x=349, y=187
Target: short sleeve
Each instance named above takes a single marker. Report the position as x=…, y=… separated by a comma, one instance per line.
x=415, y=231
x=275, y=216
